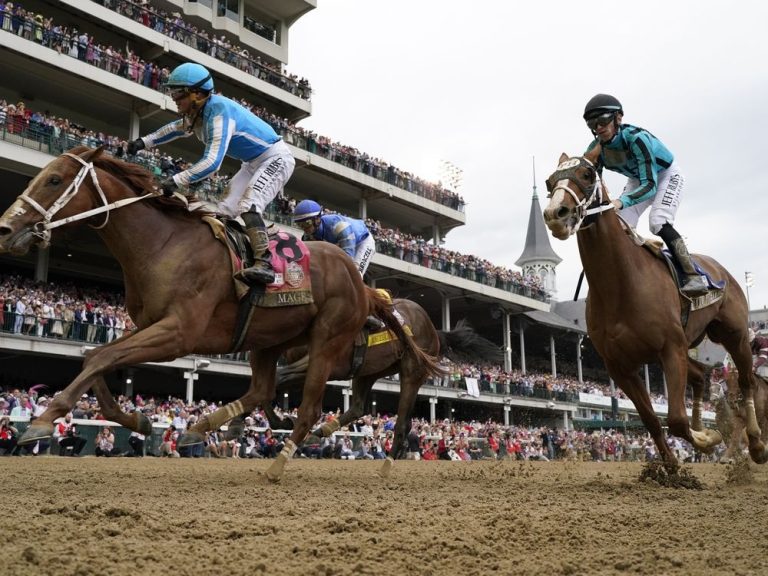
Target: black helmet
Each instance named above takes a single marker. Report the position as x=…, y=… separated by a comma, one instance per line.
x=601, y=103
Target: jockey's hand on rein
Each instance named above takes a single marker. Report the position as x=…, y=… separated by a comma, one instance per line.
x=168, y=186
x=134, y=146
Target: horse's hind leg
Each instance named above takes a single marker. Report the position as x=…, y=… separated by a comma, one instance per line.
x=697, y=378
x=361, y=390
x=411, y=379
x=111, y=410
x=261, y=392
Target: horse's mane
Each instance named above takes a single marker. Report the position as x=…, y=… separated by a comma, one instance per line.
x=138, y=178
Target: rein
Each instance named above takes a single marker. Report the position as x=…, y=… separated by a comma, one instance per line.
x=44, y=227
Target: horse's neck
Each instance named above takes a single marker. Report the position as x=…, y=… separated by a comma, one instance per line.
x=136, y=234
x=610, y=261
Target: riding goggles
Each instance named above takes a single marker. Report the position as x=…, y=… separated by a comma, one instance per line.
x=177, y=93
x=601, y=120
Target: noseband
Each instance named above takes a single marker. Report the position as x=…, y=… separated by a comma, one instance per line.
x=588, y=203
x=43, y=228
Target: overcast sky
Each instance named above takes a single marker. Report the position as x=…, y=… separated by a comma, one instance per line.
x=490, y=84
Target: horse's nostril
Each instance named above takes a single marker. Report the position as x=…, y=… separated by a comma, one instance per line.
x=562, y=212
x=5, y=230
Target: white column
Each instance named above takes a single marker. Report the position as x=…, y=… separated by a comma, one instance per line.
x=432, y=409
x=436, y=234
x=507, y=408
x=566, y=424
x=647, y=379
x=41, y=265
x=507, y=343
x=552, y=355
x=666, y=392
x=578, y=358
x=134, y=125
x=446, y=313
x=347, y=392
x=522, y=349
x=191, y=376
x=363, y=209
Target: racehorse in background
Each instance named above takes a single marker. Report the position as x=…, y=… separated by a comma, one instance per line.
x=387, y=358
x=635, y=312
x=180, y=293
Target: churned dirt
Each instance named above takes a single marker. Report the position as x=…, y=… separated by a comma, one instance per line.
x=124, y=516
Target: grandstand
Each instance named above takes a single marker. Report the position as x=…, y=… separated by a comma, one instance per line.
x=90, y=72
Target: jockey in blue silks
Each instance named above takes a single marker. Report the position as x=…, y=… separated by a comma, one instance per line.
x=227, y=129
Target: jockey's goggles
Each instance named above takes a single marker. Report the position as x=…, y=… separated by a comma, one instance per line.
x=601, y=120
x=177, y=93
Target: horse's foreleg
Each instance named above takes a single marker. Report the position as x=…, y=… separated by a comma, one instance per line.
x=159, y=342
x=747, y=384
x=634, y=388
x=309, y=411
x=361, y=390
x=411, y=379
x=697, y=381
x=675, y=362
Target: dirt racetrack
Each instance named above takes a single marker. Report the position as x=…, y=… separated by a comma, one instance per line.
x=177, y=517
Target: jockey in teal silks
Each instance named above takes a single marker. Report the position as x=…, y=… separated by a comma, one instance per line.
x=654, y=179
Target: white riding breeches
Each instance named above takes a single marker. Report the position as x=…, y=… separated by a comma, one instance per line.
x=258, y=181
x=663, y=206
x=364, y=254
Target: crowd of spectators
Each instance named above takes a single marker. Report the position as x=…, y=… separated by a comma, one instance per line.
x=81, y=44
x=64, y=134
x=370, y=437
x=128, y=64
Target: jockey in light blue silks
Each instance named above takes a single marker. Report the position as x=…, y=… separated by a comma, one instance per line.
x=227, y=128
x=654, y=178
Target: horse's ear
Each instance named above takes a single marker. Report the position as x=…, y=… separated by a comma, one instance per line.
x=563, y=158
x=93, y=154
x=594, y=154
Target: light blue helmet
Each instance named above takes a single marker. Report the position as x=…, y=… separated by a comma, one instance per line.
x=306, y=209
x=190, y=76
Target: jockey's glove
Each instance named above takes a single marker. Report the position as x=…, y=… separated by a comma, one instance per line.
x=134, y=146
x=169, y=186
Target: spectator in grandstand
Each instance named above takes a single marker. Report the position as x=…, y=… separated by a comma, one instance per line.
x=759, y=345
x=136, y=442
x=168, y=442
x=227, y=128
x=105, y=443
x=413, y=442
x=9, y=436
x=655, y=180
x=349, y=234
x=66, y=435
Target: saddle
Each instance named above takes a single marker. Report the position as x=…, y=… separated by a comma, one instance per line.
x=656, y=247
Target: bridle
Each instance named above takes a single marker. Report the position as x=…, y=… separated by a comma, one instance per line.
x=42, y=229
x=590, y=203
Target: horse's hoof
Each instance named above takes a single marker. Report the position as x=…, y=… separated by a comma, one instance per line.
x=36, y=432
x=759, y=454
x=144, y=425
x=190, y=438
x=235, y=428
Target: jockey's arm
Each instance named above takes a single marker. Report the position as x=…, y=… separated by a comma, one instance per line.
x=167, y=133
x=220, y=128
x=345, y=237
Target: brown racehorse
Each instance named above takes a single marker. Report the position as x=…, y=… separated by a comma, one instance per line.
x=634, y=308
x=381, y=360
x=180, y=294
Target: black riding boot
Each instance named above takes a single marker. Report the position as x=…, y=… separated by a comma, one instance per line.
x=694, y=284
x=374, y=324
x=261, y=271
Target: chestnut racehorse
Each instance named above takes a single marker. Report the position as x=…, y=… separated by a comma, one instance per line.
x=462, y=344
x=180, y=293
x=634, y=309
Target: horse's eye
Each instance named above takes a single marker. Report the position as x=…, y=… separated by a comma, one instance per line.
x=54, y=180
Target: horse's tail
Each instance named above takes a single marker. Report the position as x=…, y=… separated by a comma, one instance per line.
x=380, y=305
x=463, y=344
